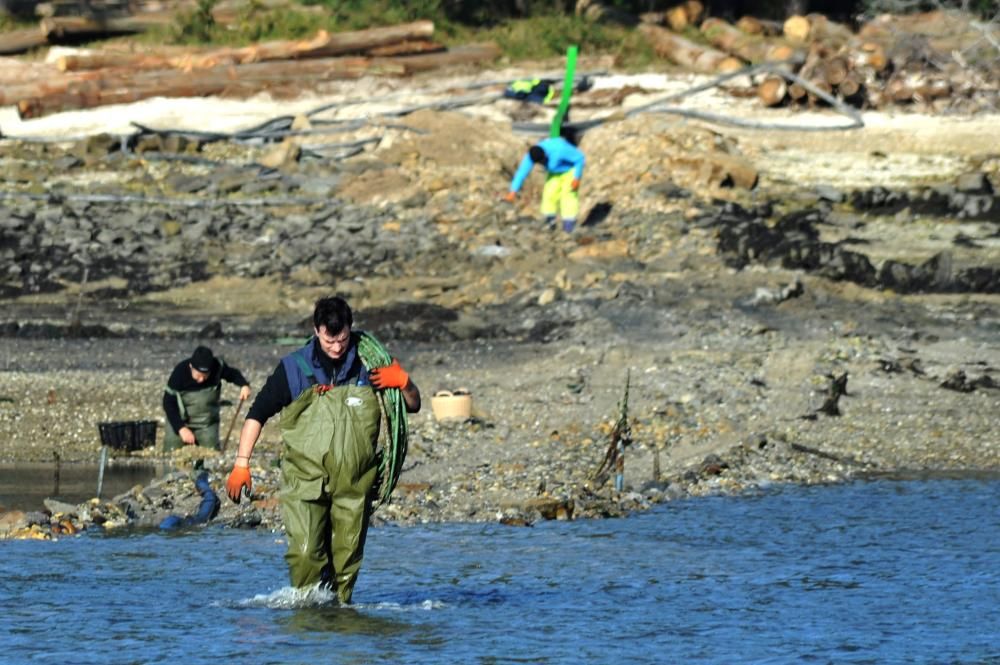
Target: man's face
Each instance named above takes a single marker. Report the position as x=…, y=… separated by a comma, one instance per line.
x=199, y=377
x=333, y=345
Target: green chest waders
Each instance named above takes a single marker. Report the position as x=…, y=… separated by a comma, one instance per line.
x=328, y=469
x=200, y=412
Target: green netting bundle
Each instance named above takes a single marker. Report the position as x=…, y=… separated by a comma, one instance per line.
x=394, y=432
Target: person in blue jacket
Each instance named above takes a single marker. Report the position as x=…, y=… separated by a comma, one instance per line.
x=563, y=164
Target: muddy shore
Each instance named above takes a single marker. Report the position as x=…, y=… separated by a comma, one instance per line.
x=730, y=351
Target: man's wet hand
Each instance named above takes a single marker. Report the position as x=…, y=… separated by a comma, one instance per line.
x=391, y=376
x=239, y=479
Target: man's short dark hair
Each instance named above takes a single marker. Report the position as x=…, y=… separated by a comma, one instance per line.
x=537, y=154
x=334, y=313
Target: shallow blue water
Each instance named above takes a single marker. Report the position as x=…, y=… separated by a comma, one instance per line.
x=871, y=572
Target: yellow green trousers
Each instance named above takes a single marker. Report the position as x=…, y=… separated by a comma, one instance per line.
x=558, y=196
x=328, y=469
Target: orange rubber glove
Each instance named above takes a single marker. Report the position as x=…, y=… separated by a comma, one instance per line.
x=238, y=479
x=391, y=376
x=510, y=197
x=575, y=185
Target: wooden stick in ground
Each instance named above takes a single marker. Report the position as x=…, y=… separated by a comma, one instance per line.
x=232, y=423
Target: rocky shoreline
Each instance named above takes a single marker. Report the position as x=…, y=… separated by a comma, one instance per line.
x=733, y=304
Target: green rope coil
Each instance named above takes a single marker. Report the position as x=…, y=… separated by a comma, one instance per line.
x=394, y=434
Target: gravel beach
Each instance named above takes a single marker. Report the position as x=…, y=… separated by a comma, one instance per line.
x=730, y=306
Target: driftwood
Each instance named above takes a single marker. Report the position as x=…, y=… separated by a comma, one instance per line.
x=688, y=54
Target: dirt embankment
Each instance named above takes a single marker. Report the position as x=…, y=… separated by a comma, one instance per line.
x=732, y=274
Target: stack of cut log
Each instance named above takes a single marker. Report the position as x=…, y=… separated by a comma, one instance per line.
x=892, y=59
x=283, y=68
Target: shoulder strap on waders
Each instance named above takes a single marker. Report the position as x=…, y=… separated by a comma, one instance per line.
x=306, y=369
x=180, y=402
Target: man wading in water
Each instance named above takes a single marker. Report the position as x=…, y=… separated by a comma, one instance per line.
x=330, y=418
x=191, y=399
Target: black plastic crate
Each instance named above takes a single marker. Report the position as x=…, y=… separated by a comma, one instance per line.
x=128, y=435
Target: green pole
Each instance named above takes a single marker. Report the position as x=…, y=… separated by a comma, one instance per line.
x=566, y=91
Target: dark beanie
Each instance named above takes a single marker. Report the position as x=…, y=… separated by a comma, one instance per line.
x=202, y=359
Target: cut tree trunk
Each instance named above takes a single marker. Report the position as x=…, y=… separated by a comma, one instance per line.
x=835, y=70
x=819, y=84
x=898, y=90
x=124, y=87
x=756, y=26
x=822, y=29
x=119, y=85
x=19, y=41
x=323, y=44
x=796, y=29
x=688, y=54
x=926, y=90
x=408, y=47
x=470, y=54
x=60, y=27
x=728, y=38
x=851, y=87
x=679, y=17
x=90, y=61
x=772, y=91
x=870, y=54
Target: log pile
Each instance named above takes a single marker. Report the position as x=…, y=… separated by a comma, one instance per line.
x=283, y=68
x=912, y=59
